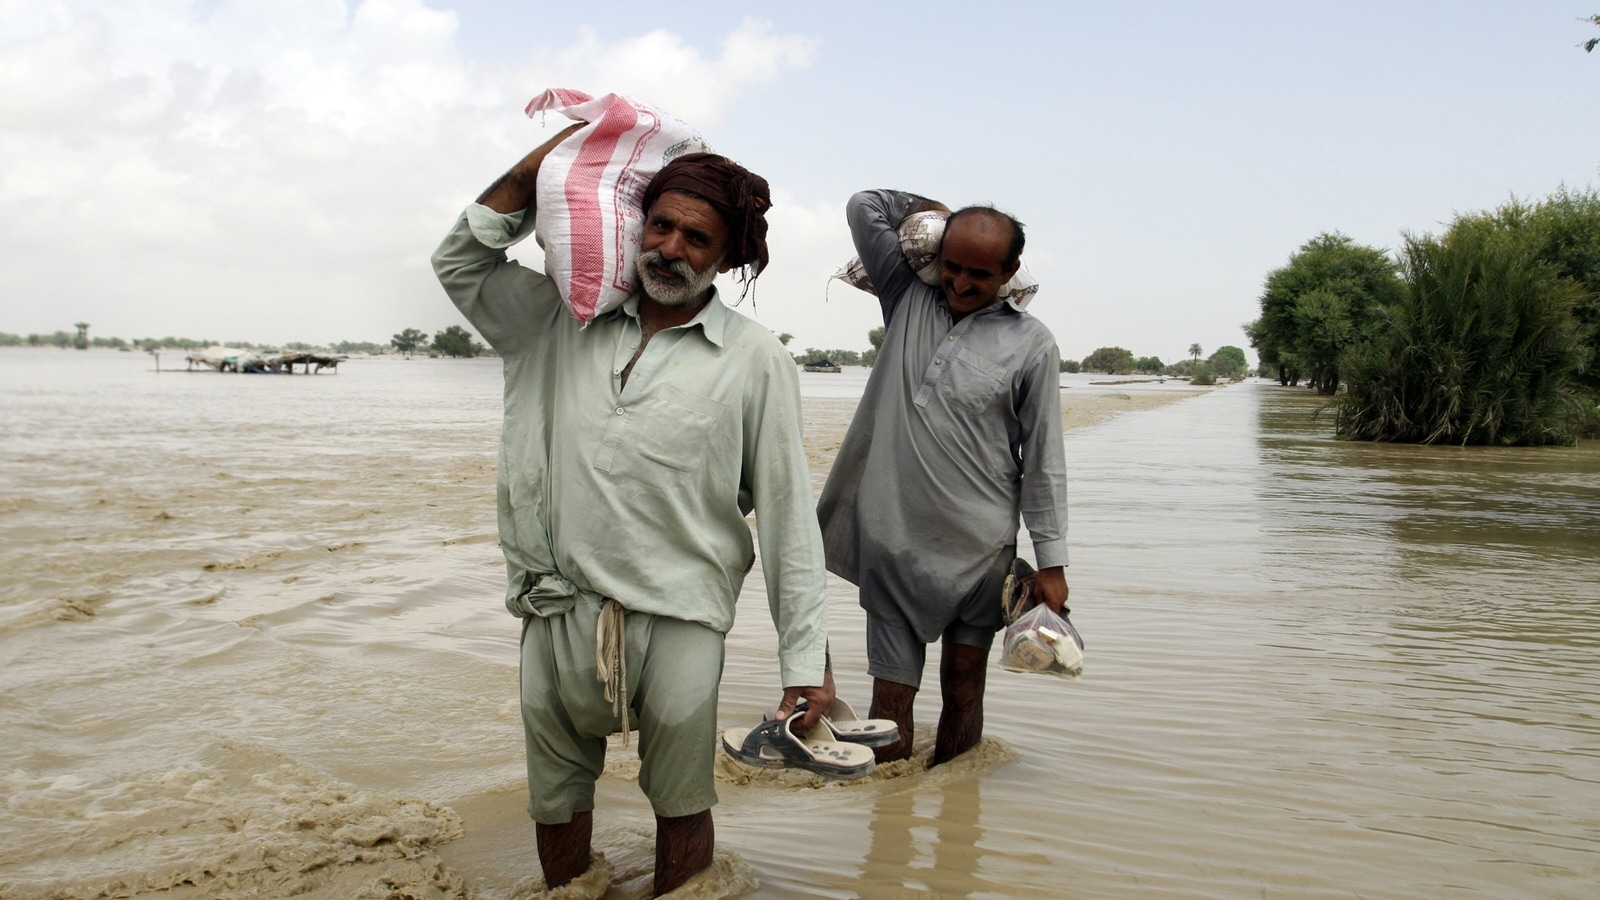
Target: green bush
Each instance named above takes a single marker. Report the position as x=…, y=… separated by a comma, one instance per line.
x=457, y=342
x=1565, y=230
x=1110, y=360
x=1481, y=348
x=1327, y=298
x=1229, y=362
x=1203, y=374
x=815, y=356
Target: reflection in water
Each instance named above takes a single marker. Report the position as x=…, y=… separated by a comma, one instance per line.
x=1360, y=651
x=1452, y=512
x=929, y=831
x=1478, y=637
x=1490, y=551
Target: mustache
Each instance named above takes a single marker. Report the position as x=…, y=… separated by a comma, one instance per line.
x=678, y=267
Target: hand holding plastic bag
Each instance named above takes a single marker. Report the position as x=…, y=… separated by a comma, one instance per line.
x=1042, y=641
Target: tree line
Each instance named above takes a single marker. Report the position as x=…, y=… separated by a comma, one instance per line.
x=454, y=341
x=1227, y=362
x=1488, y=333
x=818, y=356
x=67, y=340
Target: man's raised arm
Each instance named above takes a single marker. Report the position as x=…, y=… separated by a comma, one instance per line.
x=497, y=296
x=512, y=191
x=875, y=218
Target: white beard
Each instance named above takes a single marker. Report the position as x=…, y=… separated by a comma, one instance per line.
x=691, y=284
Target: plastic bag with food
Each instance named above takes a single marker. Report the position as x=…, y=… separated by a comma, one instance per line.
x=1042, y=641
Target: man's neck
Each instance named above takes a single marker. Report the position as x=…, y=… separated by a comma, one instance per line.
x=958, y=316
x=654, y=317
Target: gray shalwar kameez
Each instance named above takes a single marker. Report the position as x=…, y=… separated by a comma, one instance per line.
x=957, y=436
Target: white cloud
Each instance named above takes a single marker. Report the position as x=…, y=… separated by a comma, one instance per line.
x=279, y=170
x=22, y=20
x=662, y=68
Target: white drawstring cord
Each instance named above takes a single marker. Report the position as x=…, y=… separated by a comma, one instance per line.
x=611, y=664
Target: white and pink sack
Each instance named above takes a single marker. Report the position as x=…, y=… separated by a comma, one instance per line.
x=588, y=218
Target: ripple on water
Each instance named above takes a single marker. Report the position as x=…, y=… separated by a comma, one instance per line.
x=1301, y=652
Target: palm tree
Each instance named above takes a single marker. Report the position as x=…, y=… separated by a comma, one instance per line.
x=1195, y=351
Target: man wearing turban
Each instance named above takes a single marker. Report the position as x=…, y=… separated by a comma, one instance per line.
x=632, y=450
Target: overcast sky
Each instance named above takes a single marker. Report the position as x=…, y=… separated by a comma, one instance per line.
x=279, y=170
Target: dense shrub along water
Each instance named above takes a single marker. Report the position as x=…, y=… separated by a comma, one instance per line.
x=1482, y=348
x=1486, y=334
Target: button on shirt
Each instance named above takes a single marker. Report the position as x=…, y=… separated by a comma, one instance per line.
x=958, y=435
x=640, y=492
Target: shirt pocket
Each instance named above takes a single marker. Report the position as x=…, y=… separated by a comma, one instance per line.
x=678, y=428
x=971, y=382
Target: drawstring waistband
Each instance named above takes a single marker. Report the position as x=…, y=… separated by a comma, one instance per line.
x=610, y=657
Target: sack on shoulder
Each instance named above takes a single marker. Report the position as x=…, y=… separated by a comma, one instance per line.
x=588, y=219
x=920, y=237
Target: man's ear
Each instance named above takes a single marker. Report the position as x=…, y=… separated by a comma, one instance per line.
x=1010, y=271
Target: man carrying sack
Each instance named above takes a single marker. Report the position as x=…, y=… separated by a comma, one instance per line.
x=958, y=435
x=632, y=450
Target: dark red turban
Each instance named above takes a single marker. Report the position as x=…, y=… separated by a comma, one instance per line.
x=739, y=195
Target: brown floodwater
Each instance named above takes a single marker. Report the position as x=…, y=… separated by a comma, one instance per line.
x=253, y=645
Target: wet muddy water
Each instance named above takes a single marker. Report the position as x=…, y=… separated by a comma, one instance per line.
x=253, y=644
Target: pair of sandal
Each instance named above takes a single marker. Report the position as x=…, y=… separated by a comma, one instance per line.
x=776, y=745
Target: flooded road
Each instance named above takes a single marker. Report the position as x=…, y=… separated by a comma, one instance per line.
x=254, y=645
